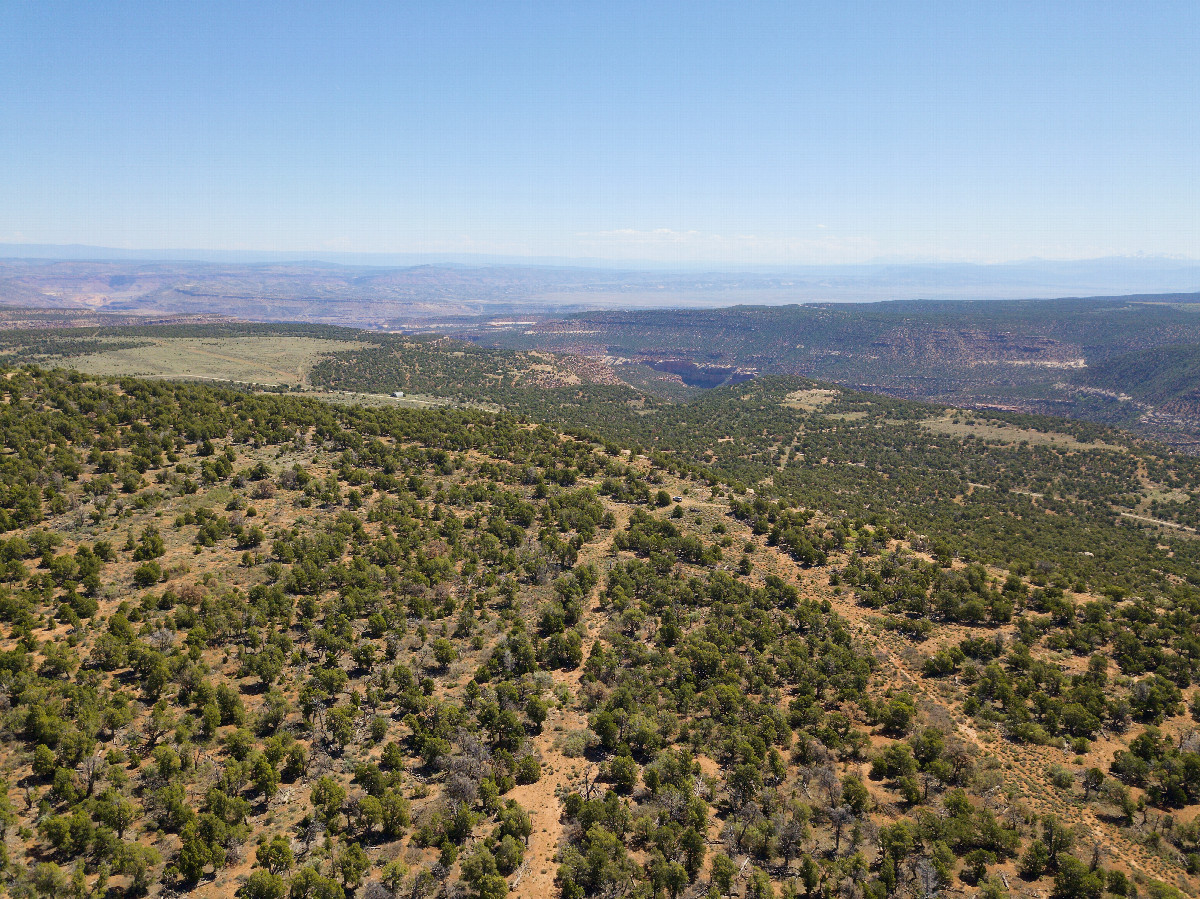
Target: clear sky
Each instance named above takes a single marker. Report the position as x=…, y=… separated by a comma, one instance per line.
x=801, y=132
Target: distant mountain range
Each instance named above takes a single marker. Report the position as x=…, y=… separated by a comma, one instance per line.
x=392, y=291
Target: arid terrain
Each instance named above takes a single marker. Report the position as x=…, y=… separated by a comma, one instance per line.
x=780, y=638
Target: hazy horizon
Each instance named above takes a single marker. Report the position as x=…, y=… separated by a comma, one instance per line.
x=375, y=290
x=202, y=255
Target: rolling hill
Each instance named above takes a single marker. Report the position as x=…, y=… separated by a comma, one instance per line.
x=784, y=638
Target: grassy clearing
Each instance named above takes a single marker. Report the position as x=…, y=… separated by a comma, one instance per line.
x=1166, y=495
x=810, y=400
x=266, y=361
x=1006, y=434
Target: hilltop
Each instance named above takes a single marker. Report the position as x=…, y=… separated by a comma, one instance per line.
x=783, y=637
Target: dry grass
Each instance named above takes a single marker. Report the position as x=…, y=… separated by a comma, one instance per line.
x=810, y=400
x=954, y=425
x=265, y=361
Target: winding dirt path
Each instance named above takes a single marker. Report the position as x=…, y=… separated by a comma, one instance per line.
x=1023, y=766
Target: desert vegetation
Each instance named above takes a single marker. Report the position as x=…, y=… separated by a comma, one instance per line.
x=597, y=644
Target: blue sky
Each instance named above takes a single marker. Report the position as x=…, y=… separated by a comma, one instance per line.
x=723, y=132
